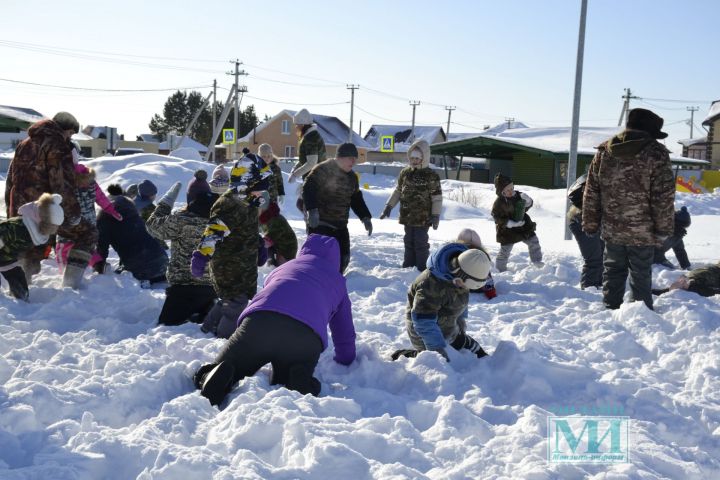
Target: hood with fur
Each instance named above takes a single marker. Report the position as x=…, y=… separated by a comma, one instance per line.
x=424, y=148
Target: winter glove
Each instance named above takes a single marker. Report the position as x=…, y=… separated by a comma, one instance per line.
x=490, y=292
x=198, y=262
x=171, y=195
x=281, y=199
x=368, y=225
x=513, y=223
x=435, y=221
x=312, y=217
x=527, y=199
x=404, y=352
x=386, y=213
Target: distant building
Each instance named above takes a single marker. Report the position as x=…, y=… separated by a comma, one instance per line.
x=402, y=137
x=14, y=122
x=712, y=122
x=279, y=132
x=695, y=147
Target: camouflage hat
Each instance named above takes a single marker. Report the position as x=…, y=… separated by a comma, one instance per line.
x=250, y=174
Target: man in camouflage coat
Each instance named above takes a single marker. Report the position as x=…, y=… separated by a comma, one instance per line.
x=438, y=299
x=43, y=162
x=330, y=191
x=629, y=196
x=230, y=245
x=420, y=195
x=277, y=186
x=187, y=297
x=704, y=281
x=311, y=149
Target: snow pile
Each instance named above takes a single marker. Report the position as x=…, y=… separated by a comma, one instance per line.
x=92, y=388
x=187, y=153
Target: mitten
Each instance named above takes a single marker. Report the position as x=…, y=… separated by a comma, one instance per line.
x=368, y=225
x=513, y=223
x=171, y=195
x=435, y=221
x=198, y=262
x=490, y=292
x=386, y=212
x=404, y=352
x=313, y=218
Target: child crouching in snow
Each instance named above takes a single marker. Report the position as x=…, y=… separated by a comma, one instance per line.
x=278, y=329
x=436, y=311
x=37, y=221
x=704, y=281
x=278, y=236
x=471, y=238
x=512, y=222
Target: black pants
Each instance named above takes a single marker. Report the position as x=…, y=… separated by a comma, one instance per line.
x=591, y=249
x=342, y=236
x=292, y=348
x=417, y=247
x=17, y=283
x=182, y=301
x=618, y=260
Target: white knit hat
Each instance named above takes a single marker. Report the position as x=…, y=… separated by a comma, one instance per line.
x=474, y=268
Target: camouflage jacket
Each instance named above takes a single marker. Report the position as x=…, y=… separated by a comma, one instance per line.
x=277, y=187
x=420, y=195
x=630, y=191
x=334, y=192
x=503, y=210
x=184, y=230
x=310, y=144
x=706, y=279
x=233, y=266
x=43, y=162
x=277, y=229
x=430, y=295
x=15, y=240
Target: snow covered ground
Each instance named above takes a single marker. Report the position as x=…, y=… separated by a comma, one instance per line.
x=92, y=388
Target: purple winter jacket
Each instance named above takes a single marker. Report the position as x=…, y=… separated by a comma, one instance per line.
x=311, y=290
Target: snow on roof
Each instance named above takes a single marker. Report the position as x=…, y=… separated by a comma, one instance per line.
x=23, y=114
x=187, y=142
x=556, y=139
x=713, y=113
x=451, y=137
x=96, y=130
x=502, y=127
x=402, y=135
x=82, y=136
x=149, y=137
x=332, y=130
x=686, y=142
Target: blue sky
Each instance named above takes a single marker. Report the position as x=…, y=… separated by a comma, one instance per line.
x=492, y=60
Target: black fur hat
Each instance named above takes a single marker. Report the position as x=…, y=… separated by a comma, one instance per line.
x=647, y=121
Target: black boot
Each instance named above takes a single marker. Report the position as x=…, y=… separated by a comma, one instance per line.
x=217, y=383
x=17, y=283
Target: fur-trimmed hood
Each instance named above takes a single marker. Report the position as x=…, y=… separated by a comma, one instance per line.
x=424, y=148
x=42, y=217
x=84, y=175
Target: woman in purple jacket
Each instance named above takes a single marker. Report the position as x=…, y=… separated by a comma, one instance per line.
x=286, y=324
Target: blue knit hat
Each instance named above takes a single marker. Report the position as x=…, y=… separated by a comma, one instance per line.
x=147, y=189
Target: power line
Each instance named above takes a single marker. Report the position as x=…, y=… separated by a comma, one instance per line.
x=297, y=103
x=676, y=100
x=104, y=89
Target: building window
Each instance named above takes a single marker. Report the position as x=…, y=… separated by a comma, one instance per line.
x=289, y=151
x=286, y=127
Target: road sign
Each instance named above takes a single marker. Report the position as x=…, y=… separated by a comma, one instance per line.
x=387, y=143
x=228, y=136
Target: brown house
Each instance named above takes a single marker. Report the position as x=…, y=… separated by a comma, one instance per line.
x=279, y=132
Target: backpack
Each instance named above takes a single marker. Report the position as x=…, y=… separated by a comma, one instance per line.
x=576, y=190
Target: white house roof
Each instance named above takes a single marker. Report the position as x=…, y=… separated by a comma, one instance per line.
x=149, y=137
x=556, y=139
x=402, y=136
x=23, y=114
x=713, y=113
x=186, y=143
x=96, y=130
x=332, y=130
x=687, y=142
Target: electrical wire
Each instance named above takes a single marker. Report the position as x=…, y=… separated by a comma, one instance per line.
x=298, y=103
x=104, y=89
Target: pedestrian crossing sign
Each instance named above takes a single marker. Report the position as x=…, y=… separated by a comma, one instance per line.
x=228, y=136
x=387, y=143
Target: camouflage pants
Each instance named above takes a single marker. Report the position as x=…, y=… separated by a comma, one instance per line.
x=619, y=259
x=504, y=254
x=417, y=248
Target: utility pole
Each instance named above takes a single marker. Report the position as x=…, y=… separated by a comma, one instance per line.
x=509, y=121
x=447, y=131
x=214, y=121
x=574, y=131
x=413, y=103
x=692, y=111
x=238, y=89
x=626, y=106
x=352, y=89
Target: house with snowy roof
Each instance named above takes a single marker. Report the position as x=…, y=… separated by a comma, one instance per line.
x=536, y=156
x=712, y=123
x=14, y=122
x=402, y=137
x=279, y=132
